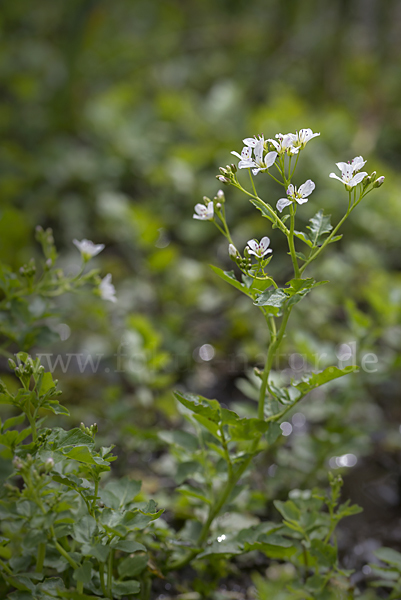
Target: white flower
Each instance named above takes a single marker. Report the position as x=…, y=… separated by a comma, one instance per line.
x=283, y=142
x=349, y=175
x=299, y=195
x=204, y=213
x=107, y=289
x=259, y=249
x=88, y=249
x=258, y=163
x=232, y=250
x=302, y=137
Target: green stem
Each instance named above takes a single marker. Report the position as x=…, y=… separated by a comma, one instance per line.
x=274, y=218
x=80, y=587
x=291, y=242
x=110, y=574
x=40, y=557
x=95, y=495
x=102, y=585
x=327, y=240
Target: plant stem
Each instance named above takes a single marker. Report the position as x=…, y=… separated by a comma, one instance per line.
x=110, y=574
x=291, y=243
x=101, y=576
x=40, y=557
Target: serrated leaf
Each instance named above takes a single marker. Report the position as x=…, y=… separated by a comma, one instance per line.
x=319, y=225
x=274, y=299
x=304, y=237
x=200, y=406
x=315, y=380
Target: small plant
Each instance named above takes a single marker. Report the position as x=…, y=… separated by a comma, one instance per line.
x=66, y=534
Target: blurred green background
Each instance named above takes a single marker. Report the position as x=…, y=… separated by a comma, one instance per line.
x=114, y=119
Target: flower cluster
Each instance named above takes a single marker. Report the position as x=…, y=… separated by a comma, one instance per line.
x=351, y=173
x=88, y=250
x=263, y=157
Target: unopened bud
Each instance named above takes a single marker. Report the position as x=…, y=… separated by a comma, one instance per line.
x=220, y=194
x=223, y=179
x=232, y=251
x=222, y=171
x=11, y=364
x=218, y=205
x=17, y=463
x=379, y=182
x=233, y=168
x=373, y=176
x=49, y=463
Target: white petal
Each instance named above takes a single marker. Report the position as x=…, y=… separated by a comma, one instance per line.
x=250, y=142
x=253, y=244
x=246, y=164
x=282, y=203
x=270, y=158
x=357, y=178
x=258, y=151
x=236, y=154
x=342, y=165
x=256, y=171
x=334, y=176
x=290, y=190
x=301, y=200
x=275, y=144
x=210, y=211
x=246, y=153
x=264, y=243
x=358, y=163
x=200, y=209
x=306, y=188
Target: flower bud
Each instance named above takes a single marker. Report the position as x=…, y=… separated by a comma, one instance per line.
x=222, y=171
x=49, y=463
x=234, y=168
x=379, y=181
x=223, y=179
x=373, y=176
x=218, y=205
x=233, y=252
x=11, y=364
x=220, y=195
x=17, y=463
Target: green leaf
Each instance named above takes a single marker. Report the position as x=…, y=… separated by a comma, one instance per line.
x=273, y=433
x=124, y=491
x=180, y=438
x=12, y=422
x=289, y=510
x=85, y=529
x=84, y=572
x=281, y=551
x=248, y=429
x=81, y=454
x=315, y=380
x=200, y=406
x=47, y=383
x=273, y=298
x=132, y=565
x=126, y=587
x=229, y=277
x=129, y=546
x=389, y=556
x=319, y=225
x=186, y=469
x=304, y=237
x=63, y=439
x=325, y=553
x=192, y=492
x=260, y=205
